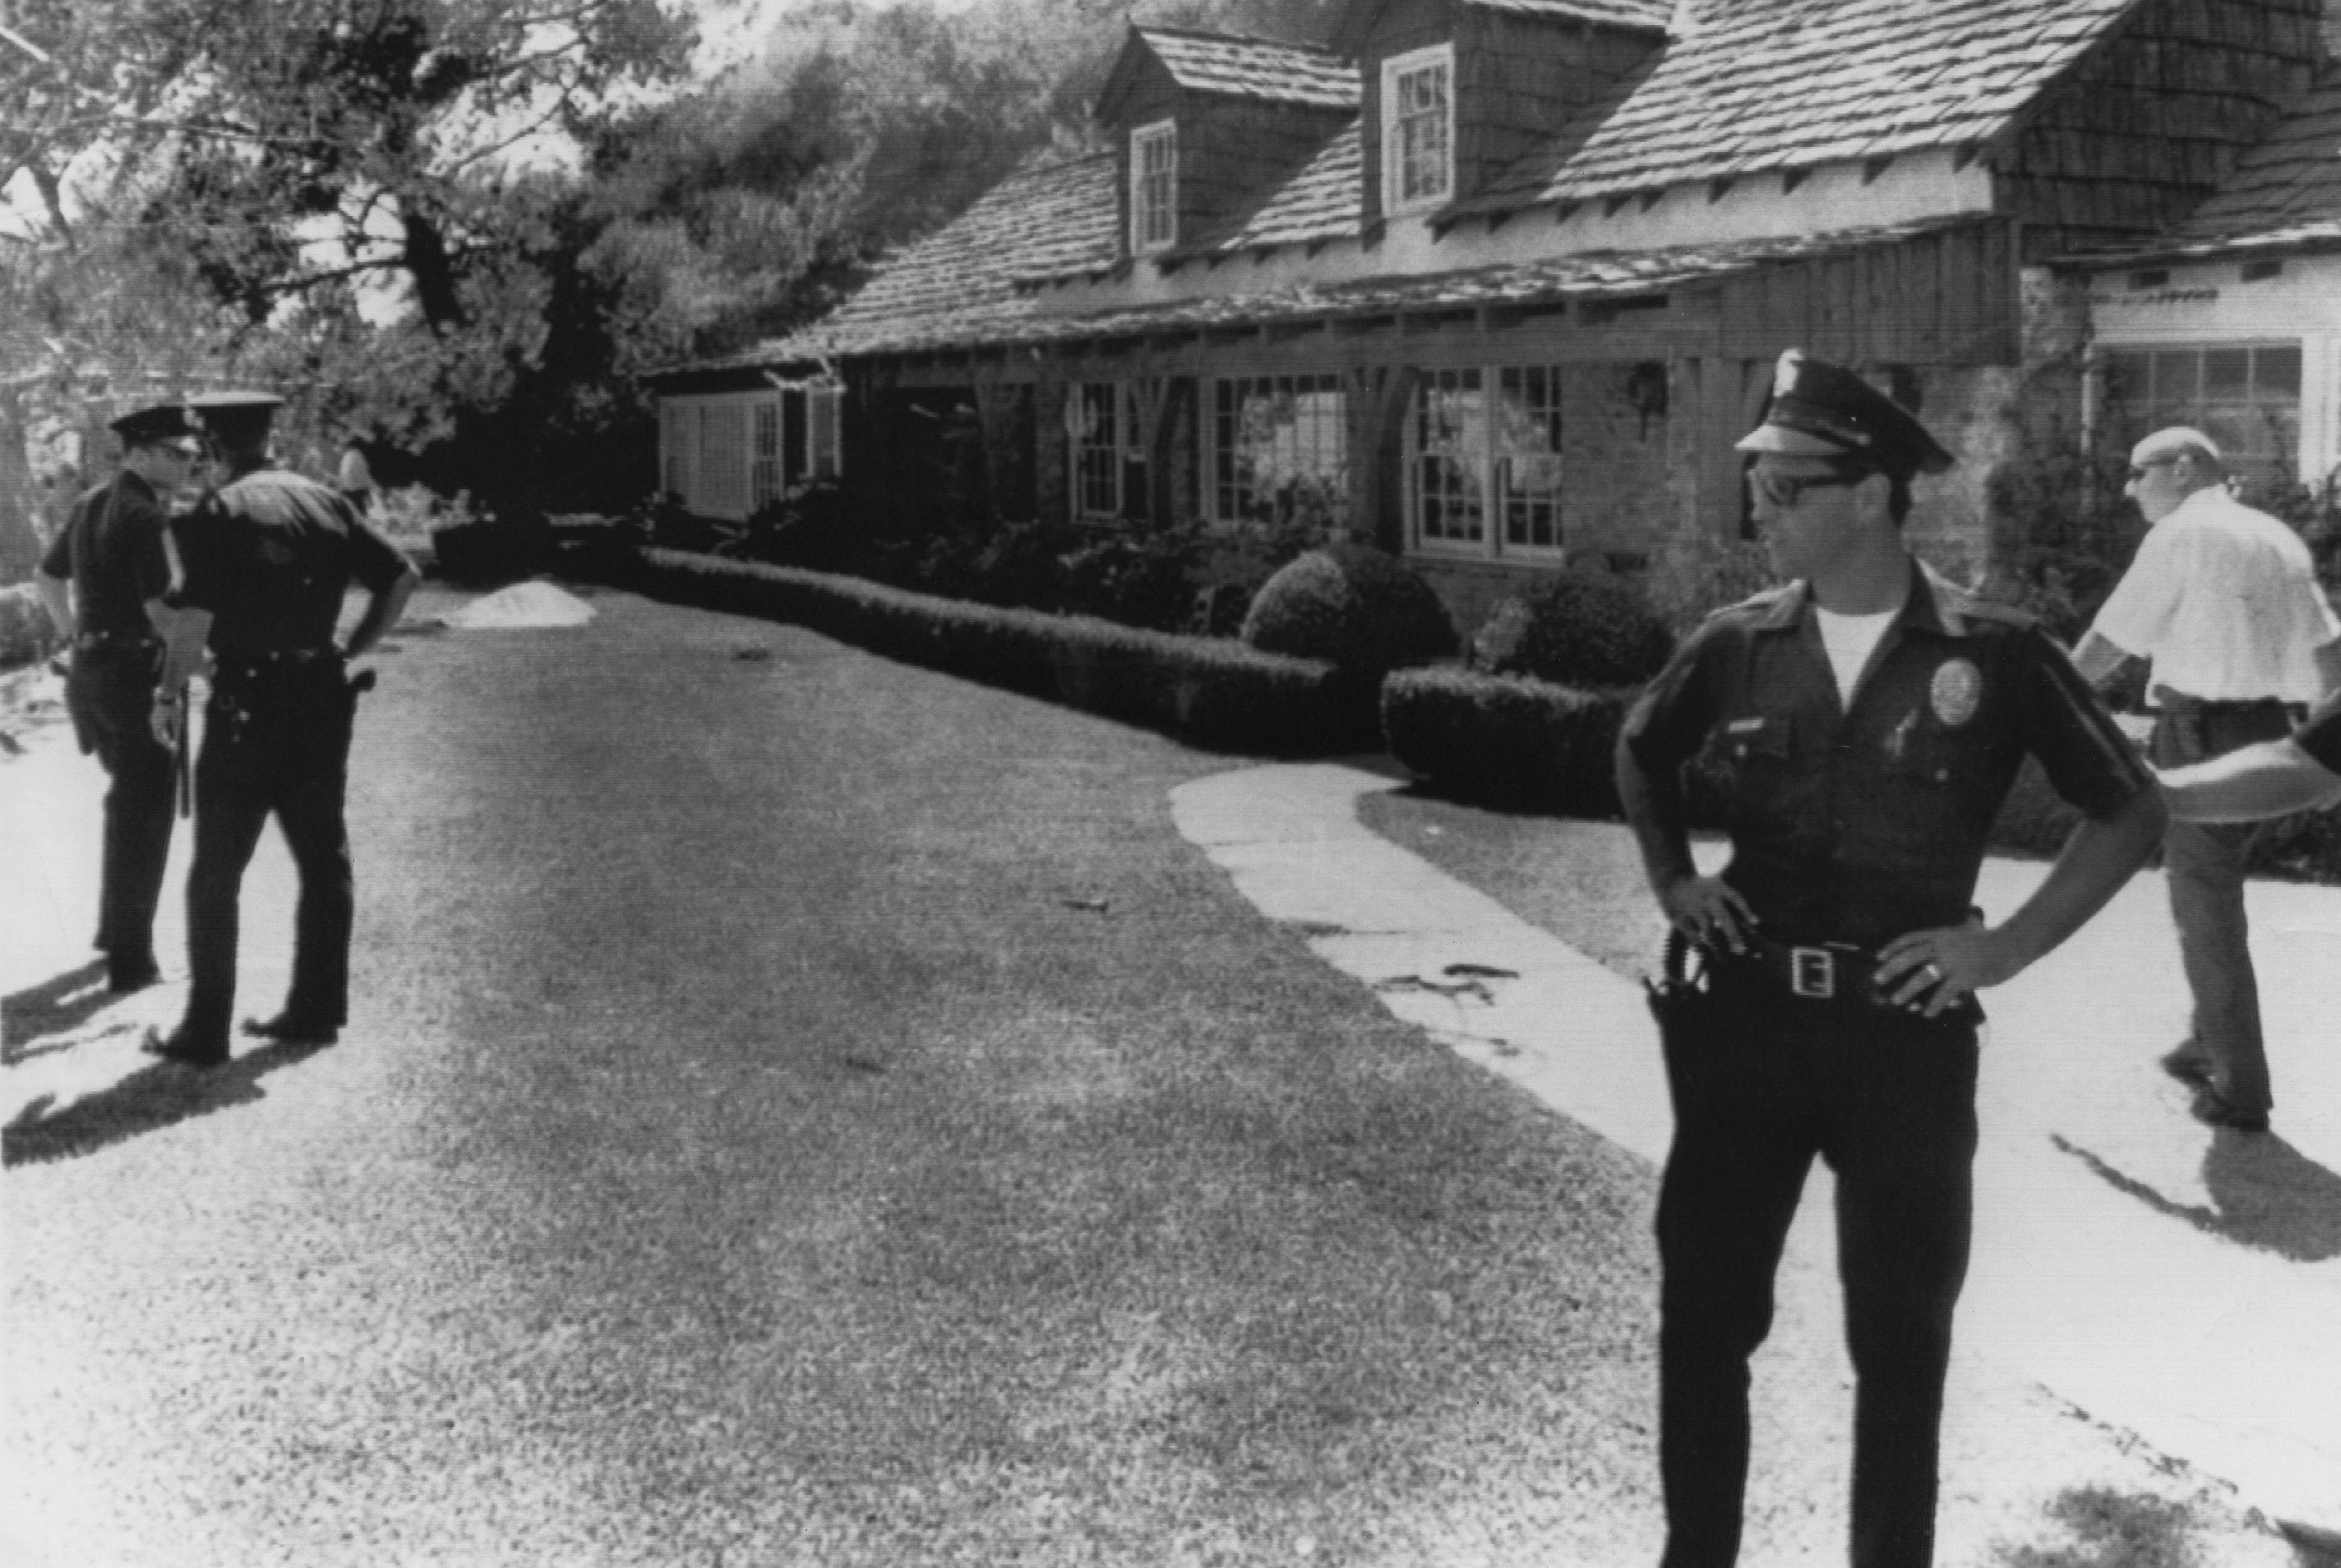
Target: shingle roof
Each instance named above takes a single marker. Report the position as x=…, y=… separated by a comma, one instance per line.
x=1323, y=201
x=2284, y=194
x=1767, y=84
x=1258, y=68
x=1594, y=275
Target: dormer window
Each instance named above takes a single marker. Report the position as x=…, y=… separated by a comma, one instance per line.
x=1153, y=187
x=1418, y=129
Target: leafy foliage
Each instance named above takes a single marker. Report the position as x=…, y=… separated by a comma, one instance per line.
x=1575, y=628
x=1354, y=606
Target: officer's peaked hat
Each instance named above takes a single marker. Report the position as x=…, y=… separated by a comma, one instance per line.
x=1824, y=410
x=155, y=426
x=237, y=418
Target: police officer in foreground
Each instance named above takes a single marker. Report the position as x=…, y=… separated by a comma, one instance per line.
x=105, y=580
x=268, y=556
x=1859, y=730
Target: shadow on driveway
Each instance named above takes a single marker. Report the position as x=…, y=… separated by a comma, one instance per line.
x=2264, y=1193
x=52, y=1007
x=159, y=1095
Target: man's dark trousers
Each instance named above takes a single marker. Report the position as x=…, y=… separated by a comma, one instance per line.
x=110, y=693
x=276, y=744
x=1888, y=1101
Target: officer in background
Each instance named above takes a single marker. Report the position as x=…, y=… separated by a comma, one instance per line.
x=1859, y=729
x=103, y=579
x=269, y=555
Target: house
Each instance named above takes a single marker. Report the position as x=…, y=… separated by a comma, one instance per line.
x=1497, y=282
x=2231, y=319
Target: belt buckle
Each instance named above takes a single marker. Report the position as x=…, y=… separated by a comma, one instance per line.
x=1812, y=972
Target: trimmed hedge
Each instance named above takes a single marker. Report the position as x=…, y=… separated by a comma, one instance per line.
x=1506, y=740
x=1359, y=607
x=1529, y=746
x=1209, y=692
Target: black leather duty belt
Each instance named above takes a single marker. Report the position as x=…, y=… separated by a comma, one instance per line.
x=275, y=659
x=1819, y=972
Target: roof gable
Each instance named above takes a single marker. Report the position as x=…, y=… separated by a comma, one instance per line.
x=2290, y=180
x=1755, y=86
x=1262, y=70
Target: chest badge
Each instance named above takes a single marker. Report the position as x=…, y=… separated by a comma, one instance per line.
x=1956, y=692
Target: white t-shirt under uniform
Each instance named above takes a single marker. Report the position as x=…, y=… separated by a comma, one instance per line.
x=2225, y=601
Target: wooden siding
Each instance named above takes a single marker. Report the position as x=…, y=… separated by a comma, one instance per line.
x=1521, y=79
x=1949, y=298
x=2151, y=122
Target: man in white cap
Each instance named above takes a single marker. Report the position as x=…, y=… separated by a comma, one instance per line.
x=2225, y=603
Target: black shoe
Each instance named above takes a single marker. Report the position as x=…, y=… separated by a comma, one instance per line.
x=185, y=1051
x=287, y=1030
x=2211, y=1108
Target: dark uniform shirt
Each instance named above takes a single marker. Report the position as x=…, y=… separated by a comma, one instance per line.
x=1860, y=826
x=270, y=555
x=111, y=550
x=2320, y=737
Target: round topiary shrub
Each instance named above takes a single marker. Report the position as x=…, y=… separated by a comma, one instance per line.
x=1575, y=629
x=1353, y=607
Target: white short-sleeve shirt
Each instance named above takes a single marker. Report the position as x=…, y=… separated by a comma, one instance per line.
x=2224, y=600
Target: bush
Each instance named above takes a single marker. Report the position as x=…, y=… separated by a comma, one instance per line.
x=1215, y=693
x=1354, y=606
x=1574, y=629
x=1696, y=575
x=1503, y=741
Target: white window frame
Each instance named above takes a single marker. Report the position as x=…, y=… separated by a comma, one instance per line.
x=1228, y=489
x=2311, y=455
x=1099, y=470
x=1491, y=459
x=1153, y=188
x=711, y=446
x=1396, y=71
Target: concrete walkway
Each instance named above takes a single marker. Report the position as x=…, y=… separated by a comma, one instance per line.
x=2160, y=1279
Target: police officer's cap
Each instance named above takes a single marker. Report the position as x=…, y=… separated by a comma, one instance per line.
x=1824, y=410
x=237, y=418
x=156, y=426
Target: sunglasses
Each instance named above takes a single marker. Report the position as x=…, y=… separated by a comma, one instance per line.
x=2139, y=471
x=1784, y=490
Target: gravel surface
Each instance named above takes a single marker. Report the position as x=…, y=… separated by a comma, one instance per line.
x=804, y=1110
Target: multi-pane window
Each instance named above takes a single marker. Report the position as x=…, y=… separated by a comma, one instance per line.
x=1153, y=186
x=1484, y=472
x=1417, y=128
x=1099, y=443
x=765, y=457
x=1447, y=459
x=721, y=469
x=2245, y=396
x=1280, y=448
x=1527, y=457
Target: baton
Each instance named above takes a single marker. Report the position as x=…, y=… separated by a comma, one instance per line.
x=182, y=775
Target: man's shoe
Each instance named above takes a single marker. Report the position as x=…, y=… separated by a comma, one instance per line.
x=185, y=1051
x=287, y=1030
x=2211, y=1108
x=2187, y=1066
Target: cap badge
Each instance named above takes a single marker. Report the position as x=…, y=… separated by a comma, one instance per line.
x=1956, y=692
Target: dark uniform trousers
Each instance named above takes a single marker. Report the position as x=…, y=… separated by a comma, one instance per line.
x=1888, y=1100
x=277, y=740
x=110, y=692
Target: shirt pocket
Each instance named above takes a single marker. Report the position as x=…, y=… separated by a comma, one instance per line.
x=1748, y=761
